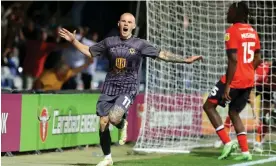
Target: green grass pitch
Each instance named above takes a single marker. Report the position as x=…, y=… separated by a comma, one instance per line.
x=121, y=156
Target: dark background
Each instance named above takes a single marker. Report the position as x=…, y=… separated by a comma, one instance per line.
x=100, y=16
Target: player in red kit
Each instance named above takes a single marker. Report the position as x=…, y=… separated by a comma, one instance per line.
x=243, y=51
x=266, y=88
x=265, y=83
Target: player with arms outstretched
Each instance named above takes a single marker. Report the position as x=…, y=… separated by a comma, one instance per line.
x=125, y=54
x=243, y=51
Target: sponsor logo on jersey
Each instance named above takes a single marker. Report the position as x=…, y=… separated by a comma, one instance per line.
x=227, y=37
x=43, y=118
x=132, y=51
x=120, y=63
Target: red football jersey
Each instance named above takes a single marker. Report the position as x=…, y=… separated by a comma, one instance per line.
x=244, y=39
x=262, y=72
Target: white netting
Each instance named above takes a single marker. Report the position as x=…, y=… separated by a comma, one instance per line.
x=173, y=120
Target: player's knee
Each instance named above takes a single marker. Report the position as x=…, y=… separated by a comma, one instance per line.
x=114, y=119
x=233, y=113
x=230, y=113
x=104, y=123
x=116, y=114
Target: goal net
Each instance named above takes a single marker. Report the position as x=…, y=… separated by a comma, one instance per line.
x=173, y=120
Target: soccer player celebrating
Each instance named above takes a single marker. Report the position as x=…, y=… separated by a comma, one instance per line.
x=243, y=51
x=125, y=54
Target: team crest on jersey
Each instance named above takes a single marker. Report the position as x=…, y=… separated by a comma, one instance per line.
x=227, y=37
x=120, y=63
x=132, y=51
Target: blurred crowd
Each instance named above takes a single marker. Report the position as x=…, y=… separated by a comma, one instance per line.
x=35, y=57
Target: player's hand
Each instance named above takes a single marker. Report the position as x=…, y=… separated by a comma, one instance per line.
x=194, y=58
x=64, y=33
x=226, y=94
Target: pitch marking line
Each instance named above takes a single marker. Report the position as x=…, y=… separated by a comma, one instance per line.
x=256, y=162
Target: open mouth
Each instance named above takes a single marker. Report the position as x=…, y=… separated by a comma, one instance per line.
x=125, y=29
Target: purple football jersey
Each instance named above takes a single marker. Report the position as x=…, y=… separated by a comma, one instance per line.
x=125, y=59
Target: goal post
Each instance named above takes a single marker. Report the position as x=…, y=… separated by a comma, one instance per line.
x=173, y=120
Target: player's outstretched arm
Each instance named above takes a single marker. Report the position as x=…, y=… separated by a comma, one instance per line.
x=71, y=37
x=169, y=57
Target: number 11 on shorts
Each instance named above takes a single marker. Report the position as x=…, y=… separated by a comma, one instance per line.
x=126, y=102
